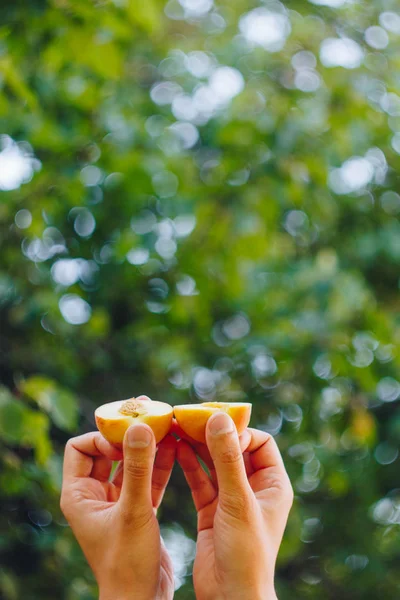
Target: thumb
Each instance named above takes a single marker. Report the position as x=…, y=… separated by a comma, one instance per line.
x=139, y=454
x=224, y=446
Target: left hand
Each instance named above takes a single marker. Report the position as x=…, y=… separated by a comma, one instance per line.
x=115, y=521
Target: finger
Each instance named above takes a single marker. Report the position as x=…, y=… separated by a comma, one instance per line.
x=101, y=468
x=200, y=449
x=114, y=493
x=244, y=439
x=80, y=452
x=203, y=452
x=118, y=474
x=139, y=454
x=224, y=446
x=203, y=491
x=248, y=465
x=264, y=451
x=163, y=465
x=142, y=397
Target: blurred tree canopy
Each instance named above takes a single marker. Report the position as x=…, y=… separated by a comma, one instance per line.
x=200, y=200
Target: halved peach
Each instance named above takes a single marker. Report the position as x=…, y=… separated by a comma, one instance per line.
x=192, y=418
x=114, y=418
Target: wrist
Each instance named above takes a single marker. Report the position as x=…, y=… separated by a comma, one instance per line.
x=266, y=594
x=133, y=594
x=271, y=595
x=132, y=588
x=114, y=596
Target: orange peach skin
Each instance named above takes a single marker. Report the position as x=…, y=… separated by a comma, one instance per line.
x=192, y=418
x=114, y=429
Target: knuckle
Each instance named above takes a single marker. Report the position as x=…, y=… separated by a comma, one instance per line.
x=199, y=485
x=284, y=488
x=136, y=516
x=276, y=481
x=230, y=455
x=136, y=469
x=158, y=486
x=238, y=506
x=70, y=443
x=289, y=493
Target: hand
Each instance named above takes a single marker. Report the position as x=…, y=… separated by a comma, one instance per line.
x=242, y=511
x=114, y=521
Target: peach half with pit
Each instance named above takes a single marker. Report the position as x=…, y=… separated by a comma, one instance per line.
x=192, y=418
x=114, y=418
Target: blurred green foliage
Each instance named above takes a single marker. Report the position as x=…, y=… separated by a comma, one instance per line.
x=201, y=201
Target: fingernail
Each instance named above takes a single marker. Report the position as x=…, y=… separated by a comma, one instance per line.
x=144, y=398
x=138, y=437
x=221, y=423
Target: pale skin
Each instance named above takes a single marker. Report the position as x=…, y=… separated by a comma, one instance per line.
x=242, y=508
x=115, y=521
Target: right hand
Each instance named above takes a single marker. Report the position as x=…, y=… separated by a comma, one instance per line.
x=242, y=511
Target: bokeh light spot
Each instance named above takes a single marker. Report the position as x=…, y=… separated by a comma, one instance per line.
x=17, y=163
x=23, y=219
x=266, y=28
x=341, y=52
x=74, y=309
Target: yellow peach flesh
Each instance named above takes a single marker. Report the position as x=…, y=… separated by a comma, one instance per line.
x=114, y=418
x=192, y=418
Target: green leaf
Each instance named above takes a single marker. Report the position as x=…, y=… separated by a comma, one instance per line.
x=12, y=415
x=20, y=425
x=145, y=14
x=59, y=403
